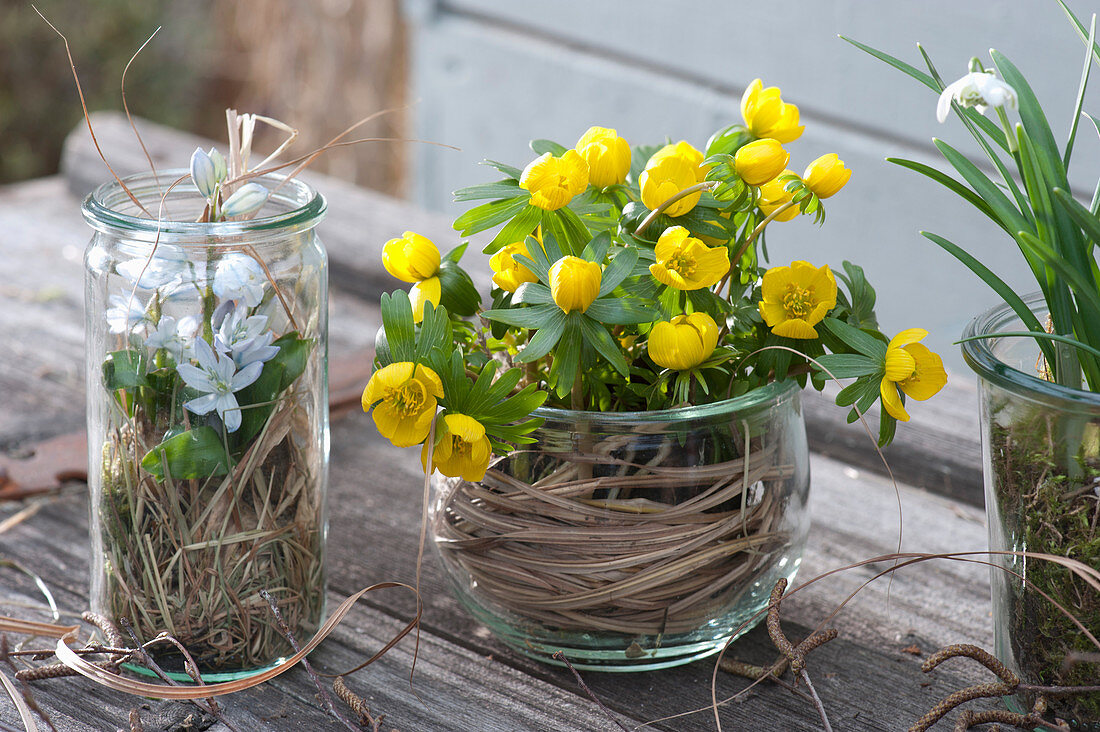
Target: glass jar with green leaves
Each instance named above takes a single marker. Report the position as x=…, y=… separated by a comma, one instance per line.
x=1038, y=363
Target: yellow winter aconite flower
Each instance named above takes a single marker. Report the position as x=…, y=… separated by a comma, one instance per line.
x=408, y=394
x=554, y=181
x=684, y=343
x=607, y=155
x=797, y=298
x=686, y=263
x=760, y=161
x=773, y=194
x=826, y=175
x=767, y=115
x=912, y=368
x=508, y=274
x=429, y=290
x=411, y=257
x=463, y=450
x=669, y=171
x=575, y=283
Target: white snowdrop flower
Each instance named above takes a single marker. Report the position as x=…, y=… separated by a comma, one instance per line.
x=126, y=314
x=217, y=377
x=239, y=277
x=204, y=173
x=173, y=336
x=977, y=89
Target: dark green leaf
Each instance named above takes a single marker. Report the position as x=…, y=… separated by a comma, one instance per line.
x=197, y=453
x=458, y=293
x=533, y=293
x=859, y=340
x=515, y=230
x=488, y=215
x=618, y=270
x=541, y=147
x=597, y=336
x=596, y=249
x=545, y=338
x=503, y=189
x=508, y=170
x=532, y=317
x=397, y=319
x=847, y=365
x=950, y=183
x=616, y=311
x=124, y=370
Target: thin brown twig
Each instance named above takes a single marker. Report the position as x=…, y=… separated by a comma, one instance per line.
x=87, y=118
x=326, y=700
x=797, y=654
x=561, y=657
x=126, y=107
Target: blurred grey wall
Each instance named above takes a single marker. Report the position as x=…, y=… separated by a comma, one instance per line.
x=489, y=76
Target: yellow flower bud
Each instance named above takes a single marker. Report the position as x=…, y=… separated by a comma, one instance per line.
x=508, y=274
x=607, y=155
x=408, y=394
x=669, y=171
x=760, y=161
x=554, y=181
x=462, y=449
x=684, y=343
x=575, y=283
x=774, y=194
x=766, y=115
x=826, y=175
x=411, y=258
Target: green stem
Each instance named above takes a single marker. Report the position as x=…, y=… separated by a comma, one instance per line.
x=706, y=185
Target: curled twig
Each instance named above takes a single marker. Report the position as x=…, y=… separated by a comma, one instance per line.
x=797, y=654
x=607, y=712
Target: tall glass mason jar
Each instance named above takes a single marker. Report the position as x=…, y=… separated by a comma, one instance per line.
x=1041, y=455
x=632, y=541
x=206, y=366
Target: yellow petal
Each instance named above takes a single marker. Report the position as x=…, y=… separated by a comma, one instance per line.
x=795, y=328
x=891, y=400
x=429, y=290
x=906, y=337
x=899, y=364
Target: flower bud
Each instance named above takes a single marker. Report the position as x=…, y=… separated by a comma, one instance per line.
x=221, y=171
x=247, y=199
x=204, y=173
x=774, y=194
x=760, y=161
x=411, y=257
x=508, y=274
x=826, y=175
x=607, y=155
x=575, y=283
x=553, y=182
x=425, y=291
x=683, y=343
x=767, y=115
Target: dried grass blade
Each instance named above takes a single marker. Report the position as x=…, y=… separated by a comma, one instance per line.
x=25, y=714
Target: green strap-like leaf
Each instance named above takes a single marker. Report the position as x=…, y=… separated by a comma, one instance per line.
x=1089, y=44
x=1032, y=116
x=1023, y=312
x=533, y=293
x=847, y=365
x=1000, y=204
x=397, y=319
x=951, y=184
x=1042, y=334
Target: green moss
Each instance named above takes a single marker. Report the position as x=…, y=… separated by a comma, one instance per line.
x=1043, y=509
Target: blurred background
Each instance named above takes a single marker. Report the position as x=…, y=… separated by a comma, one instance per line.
x=488, y=76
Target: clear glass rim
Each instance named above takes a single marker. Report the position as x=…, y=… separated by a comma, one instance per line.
x=306, y=208
x=764, y=396
x=979, y=355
